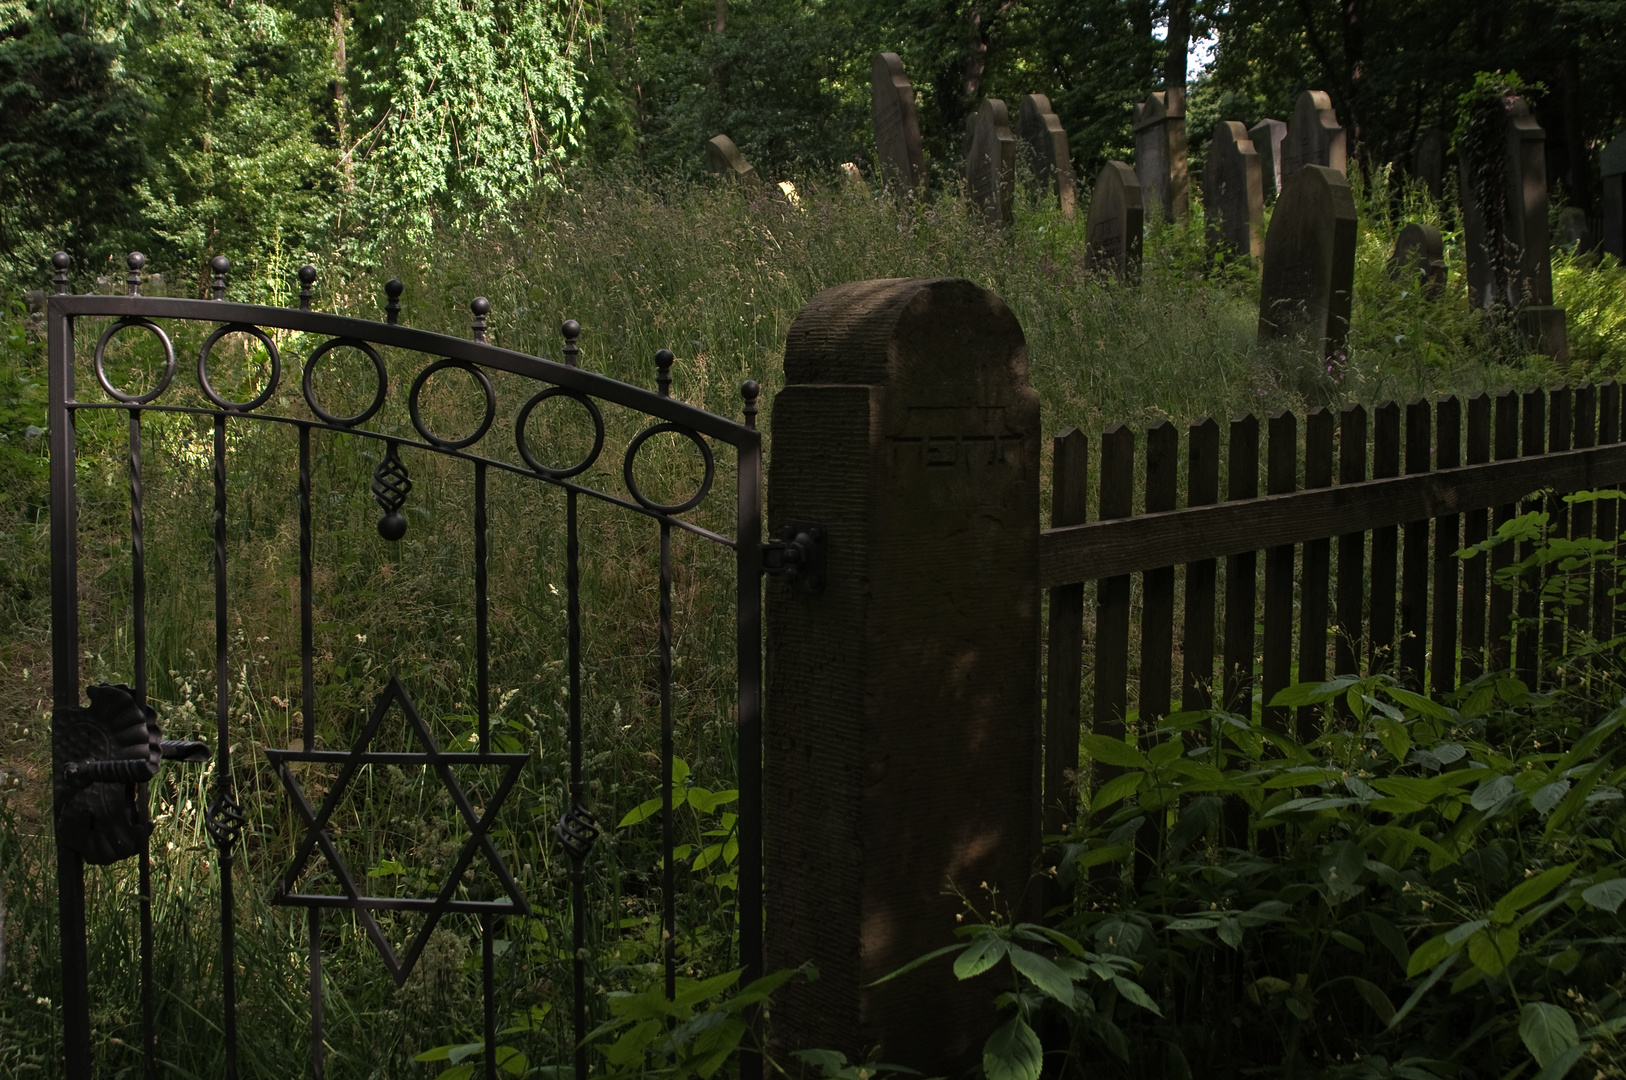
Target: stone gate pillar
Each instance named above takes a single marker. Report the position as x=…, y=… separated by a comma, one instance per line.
x=902, y=723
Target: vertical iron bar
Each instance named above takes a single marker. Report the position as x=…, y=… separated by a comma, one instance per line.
x=482, y=637
x=138, y=675
x=65, y=673
x=488, y=985
x=318, y=1051
x=578, y=872
x=748, y=648
x=668, y=826
x=223, y=786
x=307, y=621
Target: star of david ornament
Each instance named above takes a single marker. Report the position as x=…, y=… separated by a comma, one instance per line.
x=316, y=836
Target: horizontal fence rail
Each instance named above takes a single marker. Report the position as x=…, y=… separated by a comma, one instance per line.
x=1357, y=531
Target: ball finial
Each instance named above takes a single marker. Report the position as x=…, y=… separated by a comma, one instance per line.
x=663, y=371
x=61, y=260
x=135, y=260
x=480, y=306
x=307, y=274
x=392, y=526
x=393, y=288
x=571, y=329
x=749, y=390
x=220, y=264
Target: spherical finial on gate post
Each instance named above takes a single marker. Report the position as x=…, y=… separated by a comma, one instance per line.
x=749, y=391
x=663, y=371
x=307, y=278
x=481, y=308
x=392, y=309
x=571, y=331
x=59, y=277
x=132, y=282
x=221, y=266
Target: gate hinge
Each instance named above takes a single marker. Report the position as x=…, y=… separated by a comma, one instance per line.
x=797, y=556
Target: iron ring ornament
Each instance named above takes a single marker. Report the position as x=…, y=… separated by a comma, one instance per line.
x=598, y=433
x=309, y=390
x=668, y=508
x=169, y=361
x=485, y=423
x=203, y=368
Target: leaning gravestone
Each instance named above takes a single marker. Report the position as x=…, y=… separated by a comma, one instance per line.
x=1509, y=261
x=726, y=160
x=1160, y=151
x=1308, y=278
x=1612, y=164
x=1420, y=251
x=1429, y=163
x=1046, y=140
x=1113, y=230
x=990, y=161
x=1314, y=136
x=1267, y=136
x=1233, y=191
x=897, y=128
x=902, y=727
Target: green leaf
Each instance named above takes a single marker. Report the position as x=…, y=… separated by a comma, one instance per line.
x=1117, y=789
x=1230, y=932
x=1547, y=1031
x=1341, y=869
x=385, y=868
x=1491, y=792
x=1423, y=705
x=1423, y=988
x=1560, y=1066
x=1012, y=1052
x=1606, y=895
x=1393, y=735
x=1549, y=796
x=642, y=812
x=1042, y=973
x=983, y=954
x=1491, y=952
x=1375, y=998
x=1390, y=937
x=1106, y=854
x=1110, y=751
x=1135, y=995
x=1529, y=891
x=919, y=960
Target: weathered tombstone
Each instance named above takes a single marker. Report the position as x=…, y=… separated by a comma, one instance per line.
x=34, y=322
x=1160, y=151
x=897, y=128
x=902, y=749
x=990, y=161
x=726, y=160
x=1612, y=164
x=1233, y=191
x=851, y=176
x=1314, y=136
x=1267, y=136
x=1308, y=278
x=1574, y=231
x=1429, y=162
x=1509, y=261
x=1046, y=140
x=1420, y=251
x=1113, y=230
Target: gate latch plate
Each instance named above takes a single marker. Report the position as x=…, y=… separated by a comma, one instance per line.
x=797, y=556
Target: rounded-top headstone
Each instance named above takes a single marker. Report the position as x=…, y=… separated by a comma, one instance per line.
x=897, y=127
x=725, y=159
x=1040, y=128
x=1314, y=136
x=903, y=735
x=1117, y=218
x=1267, y=136
x=1308, y=279
x=1160, y=151
x=1420, y=250
x=1429, y=161
x=990, y=161
x=1233, y=190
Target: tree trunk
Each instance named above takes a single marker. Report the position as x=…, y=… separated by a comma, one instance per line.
x=1354, y=68
x=1178, y=43
x=341, y=102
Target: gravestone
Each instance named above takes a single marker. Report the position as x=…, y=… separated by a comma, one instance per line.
x=1308, y=278
x=726, y=160
x=1420, y=251
x=1233, y=191
x=902, y=733
x=1314, y=136
x=1267, y=136
x=851, y=177
x=1160, y=151
x=1509, y=262
x=1428, y=164
x=1612, y=165
x=897, y=128
x=1574, y=231
x=990, y=161
x=1113, y=231
x=1046, y=140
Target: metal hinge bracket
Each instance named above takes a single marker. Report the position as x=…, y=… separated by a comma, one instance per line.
x=797, y=556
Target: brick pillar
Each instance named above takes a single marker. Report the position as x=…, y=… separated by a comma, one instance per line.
x=902, y=723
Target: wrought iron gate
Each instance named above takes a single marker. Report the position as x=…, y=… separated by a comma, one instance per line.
x=103, y=755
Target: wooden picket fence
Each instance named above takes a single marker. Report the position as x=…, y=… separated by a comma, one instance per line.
x=1395, y=505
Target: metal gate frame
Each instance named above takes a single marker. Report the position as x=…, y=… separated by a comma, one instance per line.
x=97, y=763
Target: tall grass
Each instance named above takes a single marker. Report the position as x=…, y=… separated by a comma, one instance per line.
x=717, y=273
